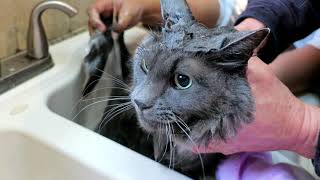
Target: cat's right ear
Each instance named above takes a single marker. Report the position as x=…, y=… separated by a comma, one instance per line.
x=236, y=53
x=175, y=12
x=247, y=42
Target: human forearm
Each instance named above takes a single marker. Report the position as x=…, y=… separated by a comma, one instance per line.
x=307, y=140
x=297, y=68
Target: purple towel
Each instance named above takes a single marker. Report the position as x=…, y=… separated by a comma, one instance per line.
x=258, y=166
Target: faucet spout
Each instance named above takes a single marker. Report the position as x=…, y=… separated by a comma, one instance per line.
x=37, y=44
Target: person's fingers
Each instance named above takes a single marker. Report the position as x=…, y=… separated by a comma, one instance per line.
x=124, y=22
x=216, y=146
x=129, y=15
x=258, y=70
x=249, y=24
x=99, y=8
x=94, y=20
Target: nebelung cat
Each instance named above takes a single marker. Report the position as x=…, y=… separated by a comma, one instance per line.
x=189, y=86
x=189, y=82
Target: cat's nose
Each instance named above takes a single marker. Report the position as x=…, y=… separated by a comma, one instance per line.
x=141, y=105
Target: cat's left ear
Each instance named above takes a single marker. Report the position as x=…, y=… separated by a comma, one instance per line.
x=246, y=42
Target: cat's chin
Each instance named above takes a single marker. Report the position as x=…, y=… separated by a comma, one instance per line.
x=152, y=126
x=149, y=127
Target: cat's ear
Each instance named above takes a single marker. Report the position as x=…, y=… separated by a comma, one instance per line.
x=237, y=52
x=247, y=42
x=175, y=12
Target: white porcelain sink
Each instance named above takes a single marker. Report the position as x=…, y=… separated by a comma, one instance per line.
x=38, y=142
x=25, y=157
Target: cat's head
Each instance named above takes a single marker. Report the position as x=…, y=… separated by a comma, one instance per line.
x=189, y=75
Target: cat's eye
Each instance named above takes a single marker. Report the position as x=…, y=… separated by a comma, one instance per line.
x=182, y=81
x=144, y=66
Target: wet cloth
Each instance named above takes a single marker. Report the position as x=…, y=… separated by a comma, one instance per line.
x=258, y=166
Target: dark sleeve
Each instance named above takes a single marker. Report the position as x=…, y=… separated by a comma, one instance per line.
x=288, y=20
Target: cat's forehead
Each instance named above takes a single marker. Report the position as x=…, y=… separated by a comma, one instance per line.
x=168, y=62
x=198, y=38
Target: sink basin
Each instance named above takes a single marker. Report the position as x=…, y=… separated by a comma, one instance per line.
x=39, y=141
x=26, y=158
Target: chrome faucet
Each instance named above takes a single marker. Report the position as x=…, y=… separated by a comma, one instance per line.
x=37, y=44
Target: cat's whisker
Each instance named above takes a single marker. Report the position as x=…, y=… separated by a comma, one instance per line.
x=126, y=87
x=108, y=97
x=87, y=86
x=114, y=112
x=148, y=136
x=114, y=78
x=170, y=143
x=182, y=122
x=194, y=144
x=117, y=113
x=170, y=148
x=173, y=147
x=111, y=112
x=105, y=100
x=105, y=122
x=178, y=119
x=109, y=87
x=159, y=135
x=84, y=98
x=165, y=149
x=117, y=104
x=111, y=105
x=123, y=109
x=171, y=162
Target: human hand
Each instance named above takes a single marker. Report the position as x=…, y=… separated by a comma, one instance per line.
x=249, y=24
x=129, y=12
x=282, y=122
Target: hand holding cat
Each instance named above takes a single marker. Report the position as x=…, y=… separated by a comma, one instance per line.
x=129, y=13
x=282, y=122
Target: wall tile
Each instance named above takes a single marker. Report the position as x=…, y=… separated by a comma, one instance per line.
x=82, y=18
x=8, y=41
x=14, y=17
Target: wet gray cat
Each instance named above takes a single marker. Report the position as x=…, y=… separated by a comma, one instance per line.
x=189, y=86
x=189, y=82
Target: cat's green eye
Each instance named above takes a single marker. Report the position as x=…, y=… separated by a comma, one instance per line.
x=144, y=66
x=182, y=81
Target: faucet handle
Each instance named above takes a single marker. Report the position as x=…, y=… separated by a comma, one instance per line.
x=37, y=43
